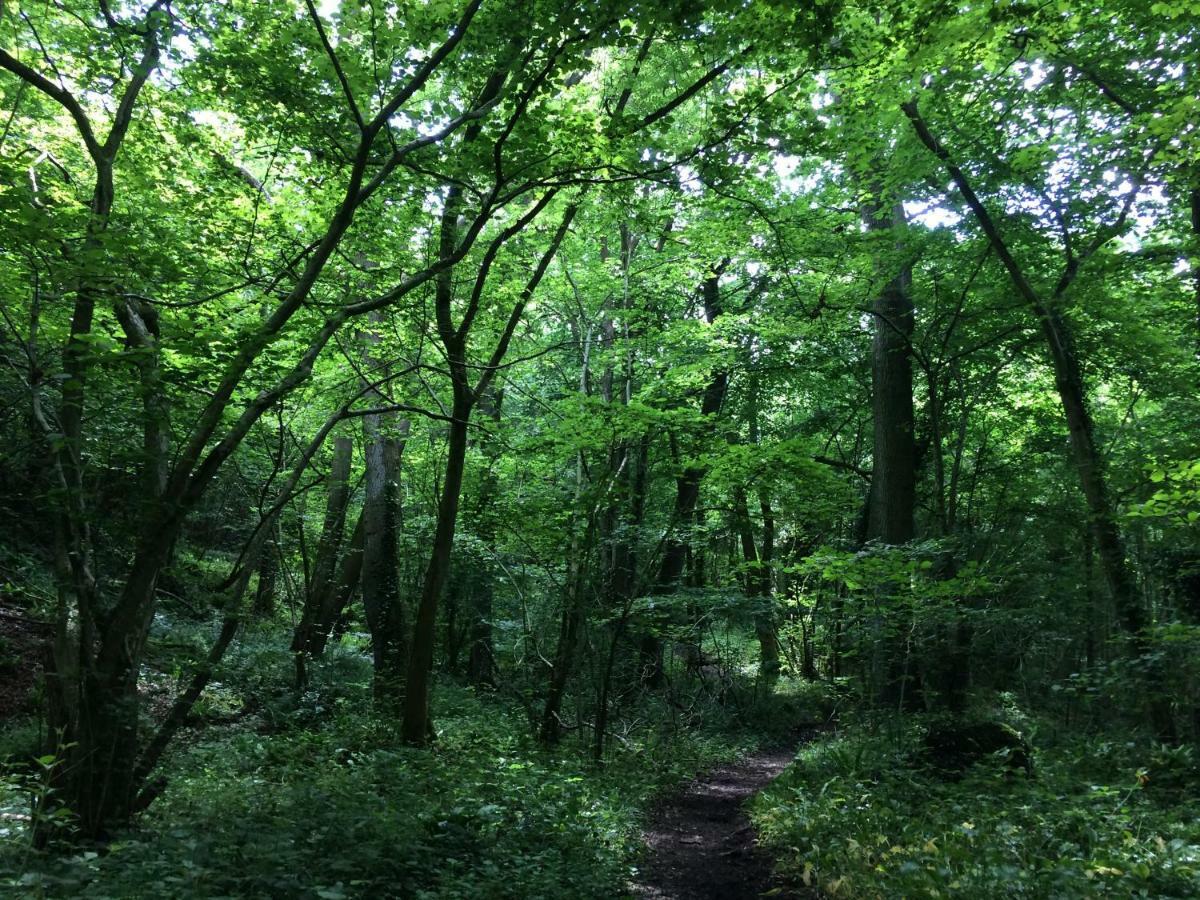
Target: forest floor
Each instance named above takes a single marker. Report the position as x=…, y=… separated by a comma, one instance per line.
x=701, y=845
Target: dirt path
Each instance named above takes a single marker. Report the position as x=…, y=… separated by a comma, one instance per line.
x=701, y=844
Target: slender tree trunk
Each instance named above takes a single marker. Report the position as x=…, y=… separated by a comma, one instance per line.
x=1068, y=378
x=687, y=495
x=574, y=608
x=417, y=724
x=345, y=584
x=480, y=653
x=571, y=628
x=268, y=573
x=756, y=584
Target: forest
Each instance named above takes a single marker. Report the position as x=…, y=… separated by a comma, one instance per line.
x=540, y=449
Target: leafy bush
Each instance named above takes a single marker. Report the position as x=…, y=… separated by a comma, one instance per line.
x=343, y=810
x=853, y=817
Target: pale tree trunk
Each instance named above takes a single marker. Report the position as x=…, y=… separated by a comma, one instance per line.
x=380, y=563
x=383, y=437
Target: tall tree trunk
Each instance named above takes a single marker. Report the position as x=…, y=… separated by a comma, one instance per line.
x=894, y=468
x=1068, y=379
x=760, y=583
x=893, y=478
x=574, y=606
x=687, y=493
x=380, y=564
x=322, y=582
x=417, y=724
x=383, y=436
x=480, y=653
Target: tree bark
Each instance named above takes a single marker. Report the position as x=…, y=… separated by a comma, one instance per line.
x=380, y=564
x=893, y=470
x=322, y=583
x=480, y=653
x=417, y=723
x=268, y=573
x=347, y=581
x=687, y=494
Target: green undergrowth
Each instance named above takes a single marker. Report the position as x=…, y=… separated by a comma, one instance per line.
x=321, y=800
x=859, y=816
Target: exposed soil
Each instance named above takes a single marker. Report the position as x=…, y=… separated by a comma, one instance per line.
x=701, y=844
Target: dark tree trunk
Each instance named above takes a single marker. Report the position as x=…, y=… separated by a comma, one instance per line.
x=268, y=573
x=568, y=639
x=480, y=654
x=345, y=584
x=322, y=583
x=687, y=495
x=893, y=478
x=417, y=723
x=1068, y=378
x=756, y=582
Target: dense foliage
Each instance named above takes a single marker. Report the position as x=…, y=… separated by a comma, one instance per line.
x=430, y=430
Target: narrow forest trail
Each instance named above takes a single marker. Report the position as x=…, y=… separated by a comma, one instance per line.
x=701, y=843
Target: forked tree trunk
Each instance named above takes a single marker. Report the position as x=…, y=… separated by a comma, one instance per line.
x=345, y=584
